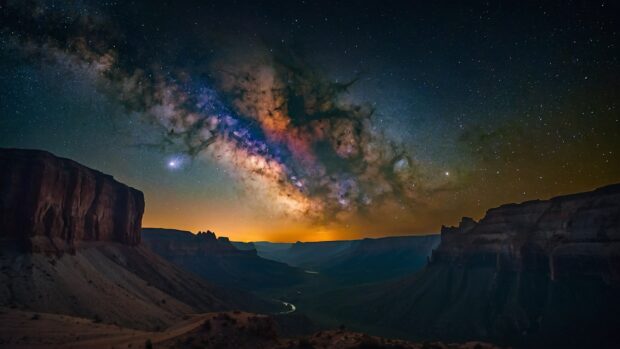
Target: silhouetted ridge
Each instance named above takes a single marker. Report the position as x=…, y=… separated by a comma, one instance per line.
x=218, y=260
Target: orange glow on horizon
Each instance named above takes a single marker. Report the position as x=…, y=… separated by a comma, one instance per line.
x=273, y=230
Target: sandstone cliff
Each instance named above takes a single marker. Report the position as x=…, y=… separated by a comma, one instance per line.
x=542, y=273
x=51, y=204
x=54, y=205
x=563, y=236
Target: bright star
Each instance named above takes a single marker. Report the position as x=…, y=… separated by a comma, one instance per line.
x=176, y=162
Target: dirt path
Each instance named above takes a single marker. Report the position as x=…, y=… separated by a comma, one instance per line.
x=23, y=329
x=139, y=338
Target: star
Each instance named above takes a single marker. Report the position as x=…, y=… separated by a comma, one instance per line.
x=175, y=162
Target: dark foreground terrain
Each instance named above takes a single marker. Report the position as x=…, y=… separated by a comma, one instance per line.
x=212, y=330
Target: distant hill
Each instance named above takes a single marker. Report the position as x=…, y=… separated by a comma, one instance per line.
x=218, y=260
x=356, y=261
x=244, y=246
x=308, y=255
x=372, y=260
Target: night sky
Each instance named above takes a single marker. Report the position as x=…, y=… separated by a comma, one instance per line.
x=311, y=120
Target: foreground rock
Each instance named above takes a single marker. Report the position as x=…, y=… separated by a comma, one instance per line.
x=538, y=273
x=51, y=204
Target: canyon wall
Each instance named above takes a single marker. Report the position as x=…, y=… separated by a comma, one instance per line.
x=541, y=274
x=572, y=234
x=51, y=204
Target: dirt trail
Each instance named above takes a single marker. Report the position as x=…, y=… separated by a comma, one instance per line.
x=37, y=330
x=138, y=338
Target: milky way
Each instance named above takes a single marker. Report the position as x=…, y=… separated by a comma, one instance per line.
x=282, y=127
x=394, y=120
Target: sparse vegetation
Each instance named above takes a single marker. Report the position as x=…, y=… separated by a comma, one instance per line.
x=148, y=344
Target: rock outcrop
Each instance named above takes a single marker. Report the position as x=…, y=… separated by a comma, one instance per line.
x=51, y=204
x=561, y=237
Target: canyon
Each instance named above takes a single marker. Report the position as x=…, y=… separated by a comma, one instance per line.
x=76, y=268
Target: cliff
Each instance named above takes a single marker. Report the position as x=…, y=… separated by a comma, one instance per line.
x=218, y=260
x=541, y=273
x=563, y=236
x=51, y=204
x=54, y=205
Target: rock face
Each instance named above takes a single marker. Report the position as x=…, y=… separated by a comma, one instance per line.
x=536, y=274
x=561, y=237
x=51, y=204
